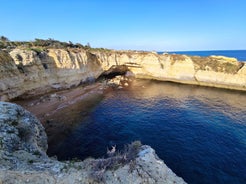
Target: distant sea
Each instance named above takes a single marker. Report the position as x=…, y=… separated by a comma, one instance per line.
x=239, y=54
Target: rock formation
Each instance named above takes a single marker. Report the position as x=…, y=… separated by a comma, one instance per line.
x=26, y=72
x=23, y=158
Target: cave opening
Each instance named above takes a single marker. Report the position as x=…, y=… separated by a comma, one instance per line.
x=114, y=71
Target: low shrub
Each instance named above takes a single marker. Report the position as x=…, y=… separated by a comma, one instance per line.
x=115, y=160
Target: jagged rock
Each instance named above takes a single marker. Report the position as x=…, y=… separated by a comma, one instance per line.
x=147, y=168
x=23, y=159
x=38, y=74
x=119, y=82
x=115, y=82
x=22, y=137
x=20, y=130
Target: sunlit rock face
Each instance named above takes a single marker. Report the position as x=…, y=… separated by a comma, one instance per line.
x=216, y=71
x=27, y=72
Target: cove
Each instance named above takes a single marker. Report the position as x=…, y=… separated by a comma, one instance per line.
x=199, y=132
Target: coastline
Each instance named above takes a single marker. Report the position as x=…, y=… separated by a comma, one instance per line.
x=54, y=77
x=58, y=69
x=240, y=54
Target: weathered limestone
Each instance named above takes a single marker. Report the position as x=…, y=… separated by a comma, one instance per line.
x=29, y=73
x=26, y=72
x=21, y=136
x=23, y=158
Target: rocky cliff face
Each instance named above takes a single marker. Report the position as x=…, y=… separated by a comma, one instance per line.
x=215, y=71
x=26, y=72
x=23, y=158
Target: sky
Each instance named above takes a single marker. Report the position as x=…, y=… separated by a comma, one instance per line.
x=154, y=25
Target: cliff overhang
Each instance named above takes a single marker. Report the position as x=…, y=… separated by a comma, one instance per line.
x=114, y=71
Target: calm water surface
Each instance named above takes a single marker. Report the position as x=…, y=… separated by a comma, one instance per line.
x=199, y=132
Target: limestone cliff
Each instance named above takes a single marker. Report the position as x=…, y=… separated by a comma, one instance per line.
x=215, y=71
x=27, y=72
x=23, y=159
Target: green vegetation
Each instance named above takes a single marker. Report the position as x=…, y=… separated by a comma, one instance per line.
x=37, y=153
x=15, y=123
x=1, y=142
x=5, y=57
x=39, y=45
x=4, y=39
x=74, y=163
x=36, y=49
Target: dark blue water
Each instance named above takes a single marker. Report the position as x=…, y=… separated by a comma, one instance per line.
x=239, y=54
x=199, y=132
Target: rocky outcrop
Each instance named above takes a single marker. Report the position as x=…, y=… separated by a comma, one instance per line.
x=215, y=71
x=21, y=136
x=23, y=158
x=27, y=72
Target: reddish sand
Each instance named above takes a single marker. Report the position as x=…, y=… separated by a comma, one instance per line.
x=47, y=105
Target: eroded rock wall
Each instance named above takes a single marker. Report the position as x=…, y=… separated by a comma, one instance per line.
x=215, y=71
x=26, y=72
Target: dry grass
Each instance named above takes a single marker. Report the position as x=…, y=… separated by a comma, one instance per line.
x=176, y=57
x=4, y=57
x=216, y=64
x=115, y=160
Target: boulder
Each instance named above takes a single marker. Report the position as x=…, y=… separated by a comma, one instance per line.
x=20, y=130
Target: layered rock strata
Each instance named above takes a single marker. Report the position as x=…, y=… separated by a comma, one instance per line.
x=26, y=72
x=23, y=158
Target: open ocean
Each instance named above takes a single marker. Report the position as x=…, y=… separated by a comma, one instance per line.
x=239, y=54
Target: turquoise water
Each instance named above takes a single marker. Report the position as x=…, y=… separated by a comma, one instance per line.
x=199, y=132
x=239, y=54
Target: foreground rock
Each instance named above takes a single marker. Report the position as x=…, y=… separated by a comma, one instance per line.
x=23, y=158
x=26, y=72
